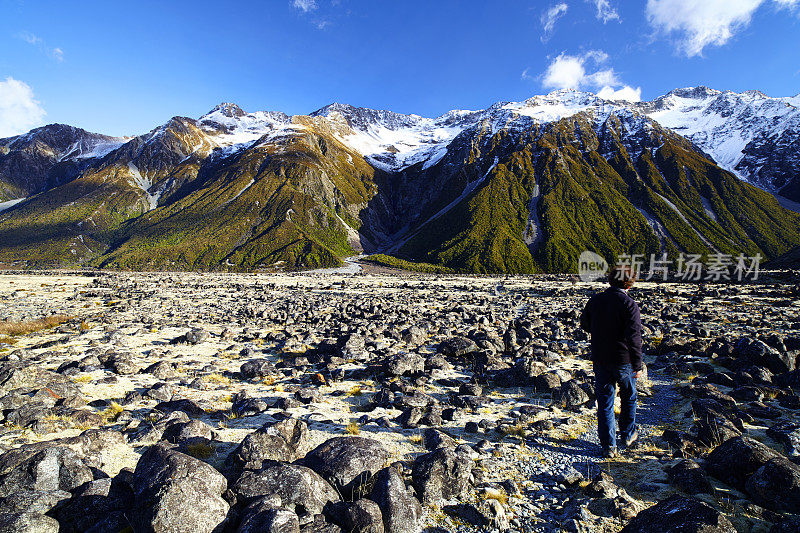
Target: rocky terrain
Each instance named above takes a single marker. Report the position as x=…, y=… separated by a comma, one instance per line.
x=386, y=401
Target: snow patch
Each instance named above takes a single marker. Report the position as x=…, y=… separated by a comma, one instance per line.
x=709, y=209
x=8, y=204
x=144, y=184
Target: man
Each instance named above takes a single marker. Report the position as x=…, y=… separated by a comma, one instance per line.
x=612, y=319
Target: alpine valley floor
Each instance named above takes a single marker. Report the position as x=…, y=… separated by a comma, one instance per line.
x=386, y=401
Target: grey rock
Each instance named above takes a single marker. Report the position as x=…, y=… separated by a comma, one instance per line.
x=27, y=523
x=442, y=474
x=286, y=440
x=260, y=518
x=679, y=513
x=46, y=468
x=457, y=346
x=297, y=487
x=176, y=493
x=737, y=459
x=361, y=516
x=348, y=462
x=196, y=336
x=776, y=485
x=401, y=511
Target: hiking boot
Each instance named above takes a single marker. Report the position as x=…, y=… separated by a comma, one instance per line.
x=609, y=453
x=632, y=439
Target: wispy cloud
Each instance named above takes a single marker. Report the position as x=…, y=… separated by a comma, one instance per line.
x=56, y=53
x=19, y=109
x=319, y=18
x=605, y=11
x=587, y=71
x=305, y=5
x=550, y=17
x=699, y=25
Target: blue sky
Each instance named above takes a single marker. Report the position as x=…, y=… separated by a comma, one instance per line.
x=124, y=68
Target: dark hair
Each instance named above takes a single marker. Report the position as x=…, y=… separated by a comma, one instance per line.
x=621, y=276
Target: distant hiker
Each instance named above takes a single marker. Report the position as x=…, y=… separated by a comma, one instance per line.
x=612, y=319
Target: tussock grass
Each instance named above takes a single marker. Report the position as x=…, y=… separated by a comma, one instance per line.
x=200, y=450
x=112, y=412
x=25, y=327
x=352, y=428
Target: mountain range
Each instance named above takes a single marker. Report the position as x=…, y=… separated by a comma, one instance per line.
x=519, y=187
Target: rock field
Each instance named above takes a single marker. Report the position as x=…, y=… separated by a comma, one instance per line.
x=387, y=402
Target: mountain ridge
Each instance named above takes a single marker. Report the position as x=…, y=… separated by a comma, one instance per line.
x=517, y=187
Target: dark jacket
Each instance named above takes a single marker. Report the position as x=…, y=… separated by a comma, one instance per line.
x=612, y=318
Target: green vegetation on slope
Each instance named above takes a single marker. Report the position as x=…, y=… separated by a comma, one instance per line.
x=394, y=262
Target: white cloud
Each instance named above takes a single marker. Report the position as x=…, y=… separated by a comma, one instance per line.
x=605, y=12
x=565, y=72
x=584, y=72
x=550, y=17
x=705, y=23
x=19, y=109
x=57, y=54
x=305, y=5
x=624, y=93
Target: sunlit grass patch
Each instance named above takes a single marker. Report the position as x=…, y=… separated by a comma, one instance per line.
x=25, y=327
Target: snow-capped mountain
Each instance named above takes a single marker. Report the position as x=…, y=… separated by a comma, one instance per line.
x=516, y=187
x=750, y=134
x=48, y=156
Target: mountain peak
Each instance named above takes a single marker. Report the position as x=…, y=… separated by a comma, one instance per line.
x=227, y=109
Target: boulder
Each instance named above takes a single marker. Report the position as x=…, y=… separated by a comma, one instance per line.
x=196, y=336
x=33, y=501
x=286, y=441
x=776, y=485
x=761, y=354
x=99, y=505
x=457, y=346
x=361, y=516
x=296, y=486
x=257, y=368
x=679, y=513
x=348, y=462
x=42, y=468
x=28, y=523
x=572, y=395
x=261, y=518
x=401, y=511
x=737, y=459
x=788, y=434
x=442, y=474
x=176, y=493
x=689, y=477
x=405, y=364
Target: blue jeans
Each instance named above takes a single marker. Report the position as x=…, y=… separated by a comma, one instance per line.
x=605, y=381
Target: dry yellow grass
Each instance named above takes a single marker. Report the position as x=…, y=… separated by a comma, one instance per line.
x=15, y=329
x=352, y=428
x=85, y=378
x=112, y=412
x=5, y=339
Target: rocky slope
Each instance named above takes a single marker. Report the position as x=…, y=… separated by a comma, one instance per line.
x=518, y=187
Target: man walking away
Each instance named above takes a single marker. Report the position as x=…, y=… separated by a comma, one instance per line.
x=612, y=319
